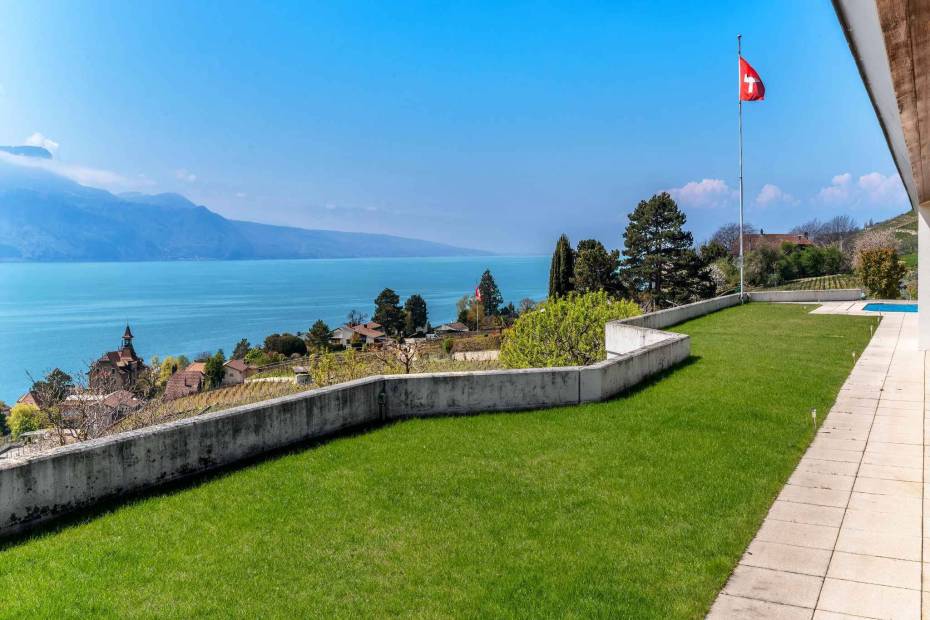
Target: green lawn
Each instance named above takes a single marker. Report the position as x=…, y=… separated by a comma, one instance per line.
x=638, y=507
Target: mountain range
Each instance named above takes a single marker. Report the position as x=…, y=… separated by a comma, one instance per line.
x=48, y=217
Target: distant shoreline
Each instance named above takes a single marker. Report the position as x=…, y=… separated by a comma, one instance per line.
x=260, y=260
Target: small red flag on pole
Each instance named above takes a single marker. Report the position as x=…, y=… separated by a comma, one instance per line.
x=751, y=87
x=478, y=293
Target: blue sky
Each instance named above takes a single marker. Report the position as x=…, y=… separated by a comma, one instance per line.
x=486, y=124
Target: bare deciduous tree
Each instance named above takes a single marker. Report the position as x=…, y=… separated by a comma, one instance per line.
x=401, y=355
x=728, y=234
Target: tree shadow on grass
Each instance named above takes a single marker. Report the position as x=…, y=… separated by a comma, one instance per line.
x=104, y=506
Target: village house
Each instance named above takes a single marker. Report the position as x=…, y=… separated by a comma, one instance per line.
x=115, y=404
x=447, y=329
x=185, y=382
x=237, y=371
x=754, y=241
x=117, y=369
x=29, y=398
x=365, y=333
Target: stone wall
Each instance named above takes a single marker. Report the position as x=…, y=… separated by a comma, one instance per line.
x=840, y=294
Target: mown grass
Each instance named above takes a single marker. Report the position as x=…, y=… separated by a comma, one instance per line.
x=637, y=507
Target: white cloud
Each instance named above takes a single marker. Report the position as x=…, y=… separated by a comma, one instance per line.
x=870, y=190
x=707, y=193
x=838, y=191
x=881, y=189
x=85, y=175
x=37, y=139
x=240, y=194
x=772, y=194
x=185, y=175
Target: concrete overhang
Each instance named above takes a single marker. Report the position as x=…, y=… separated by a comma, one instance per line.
x=890, y=41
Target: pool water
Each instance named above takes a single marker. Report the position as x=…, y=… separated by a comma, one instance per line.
x=879, y=307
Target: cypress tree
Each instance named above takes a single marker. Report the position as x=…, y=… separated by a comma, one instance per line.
x=562, y=269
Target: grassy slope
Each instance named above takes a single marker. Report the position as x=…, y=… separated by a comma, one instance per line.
x=637, y=507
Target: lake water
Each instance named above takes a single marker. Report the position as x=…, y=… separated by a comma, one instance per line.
x=68, y=314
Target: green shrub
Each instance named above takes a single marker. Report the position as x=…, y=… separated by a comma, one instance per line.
x=564, y=331
x=447, y=344
x=881, y=271
x=24, y=418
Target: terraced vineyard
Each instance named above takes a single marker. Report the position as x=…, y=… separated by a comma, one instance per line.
x=821, y=283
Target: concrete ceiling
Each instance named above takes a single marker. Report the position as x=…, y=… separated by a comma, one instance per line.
x=890, y=41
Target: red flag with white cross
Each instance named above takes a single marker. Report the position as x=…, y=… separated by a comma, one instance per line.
x=751, y=87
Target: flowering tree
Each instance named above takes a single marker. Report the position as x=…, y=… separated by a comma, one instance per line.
x=564, y=331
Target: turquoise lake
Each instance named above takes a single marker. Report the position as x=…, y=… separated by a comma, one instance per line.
x=67, y=314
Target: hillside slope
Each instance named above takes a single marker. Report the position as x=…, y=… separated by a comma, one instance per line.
x=46, y=217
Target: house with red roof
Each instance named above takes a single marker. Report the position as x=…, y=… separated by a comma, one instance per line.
x=364, y=333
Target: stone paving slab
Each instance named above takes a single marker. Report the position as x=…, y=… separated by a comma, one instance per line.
x=845, y=536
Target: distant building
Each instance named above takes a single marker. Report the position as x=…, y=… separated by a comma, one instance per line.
x=115, y=404
x=366, y=333
x=186, y=382
x=451, y=328
x=117, y=369
x=754, y=241
x=237, y=371
x=29, y=398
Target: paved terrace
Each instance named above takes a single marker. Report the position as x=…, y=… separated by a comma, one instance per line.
x=845, y=538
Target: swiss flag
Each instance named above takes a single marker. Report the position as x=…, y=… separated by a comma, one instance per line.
x=751, y=87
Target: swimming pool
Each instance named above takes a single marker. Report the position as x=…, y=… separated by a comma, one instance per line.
x=879, y=307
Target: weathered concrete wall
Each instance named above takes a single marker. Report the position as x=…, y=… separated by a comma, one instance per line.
x=72, y=477
x=841, y=294
x=608, y=378
x=477, y=356
x=474, y=392
x=680, y=314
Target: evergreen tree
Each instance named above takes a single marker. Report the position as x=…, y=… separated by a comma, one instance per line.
x=388, y=312
x=491, y=298
x=562, y=269
x=660, y=260
x=213, y=369
x=318, y=336
x=596, y=268
x=416, y=316
x=242, y=348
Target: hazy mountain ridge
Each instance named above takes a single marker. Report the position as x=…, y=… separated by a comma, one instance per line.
x=45, y=217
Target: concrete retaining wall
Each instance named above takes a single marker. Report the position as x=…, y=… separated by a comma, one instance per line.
x=680, y=314
x=477, y=356
x=69, y=478
x=840, y=294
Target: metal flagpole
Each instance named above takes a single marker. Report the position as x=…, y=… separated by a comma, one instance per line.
x=739, y=54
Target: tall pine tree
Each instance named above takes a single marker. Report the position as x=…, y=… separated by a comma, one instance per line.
x=491, y=298
x=389, y=313
x=562, y=269
x=416, y=316
x=660, y=261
